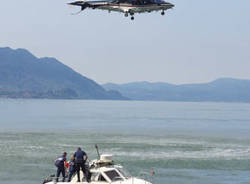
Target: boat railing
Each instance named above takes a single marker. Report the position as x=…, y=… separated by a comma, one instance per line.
x=52, y=178
x=148, y=177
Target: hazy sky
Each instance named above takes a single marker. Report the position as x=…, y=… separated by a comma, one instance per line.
x=197, y=41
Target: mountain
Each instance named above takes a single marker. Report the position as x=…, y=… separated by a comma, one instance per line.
x=22, y=75
x=220, y=90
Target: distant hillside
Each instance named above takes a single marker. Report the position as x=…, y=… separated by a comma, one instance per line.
x=22, y=75
x=221, y=90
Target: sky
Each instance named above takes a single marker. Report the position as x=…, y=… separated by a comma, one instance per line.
x=198, y=41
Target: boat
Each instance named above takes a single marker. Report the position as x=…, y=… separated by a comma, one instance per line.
x=102, y=171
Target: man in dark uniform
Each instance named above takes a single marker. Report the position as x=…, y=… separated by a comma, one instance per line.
x=59, y=163
x=80, y=159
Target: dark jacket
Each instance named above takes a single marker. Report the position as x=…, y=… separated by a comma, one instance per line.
x=79, y=156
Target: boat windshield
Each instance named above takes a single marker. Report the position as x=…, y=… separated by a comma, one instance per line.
x=113, y=175
x=124, y=172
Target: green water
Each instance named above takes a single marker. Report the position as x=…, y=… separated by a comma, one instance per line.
x=185, y=143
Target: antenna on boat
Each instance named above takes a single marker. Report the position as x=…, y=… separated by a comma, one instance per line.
x=97, y=150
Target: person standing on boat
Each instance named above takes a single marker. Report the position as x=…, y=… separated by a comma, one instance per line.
x=80, y=159
x=72, y=167
x=59, y=163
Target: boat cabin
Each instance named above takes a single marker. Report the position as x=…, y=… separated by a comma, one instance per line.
x=104, y=171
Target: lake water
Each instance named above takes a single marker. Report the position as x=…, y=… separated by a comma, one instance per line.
x=185, y=143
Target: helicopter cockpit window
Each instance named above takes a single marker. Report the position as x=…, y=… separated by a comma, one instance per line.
x=113, y=175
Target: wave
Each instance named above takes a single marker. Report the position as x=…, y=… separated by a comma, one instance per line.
x=239, y=153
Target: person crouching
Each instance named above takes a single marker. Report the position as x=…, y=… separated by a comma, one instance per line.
x=59, y=163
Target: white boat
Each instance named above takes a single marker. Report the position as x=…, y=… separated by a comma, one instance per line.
x=102, y=171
